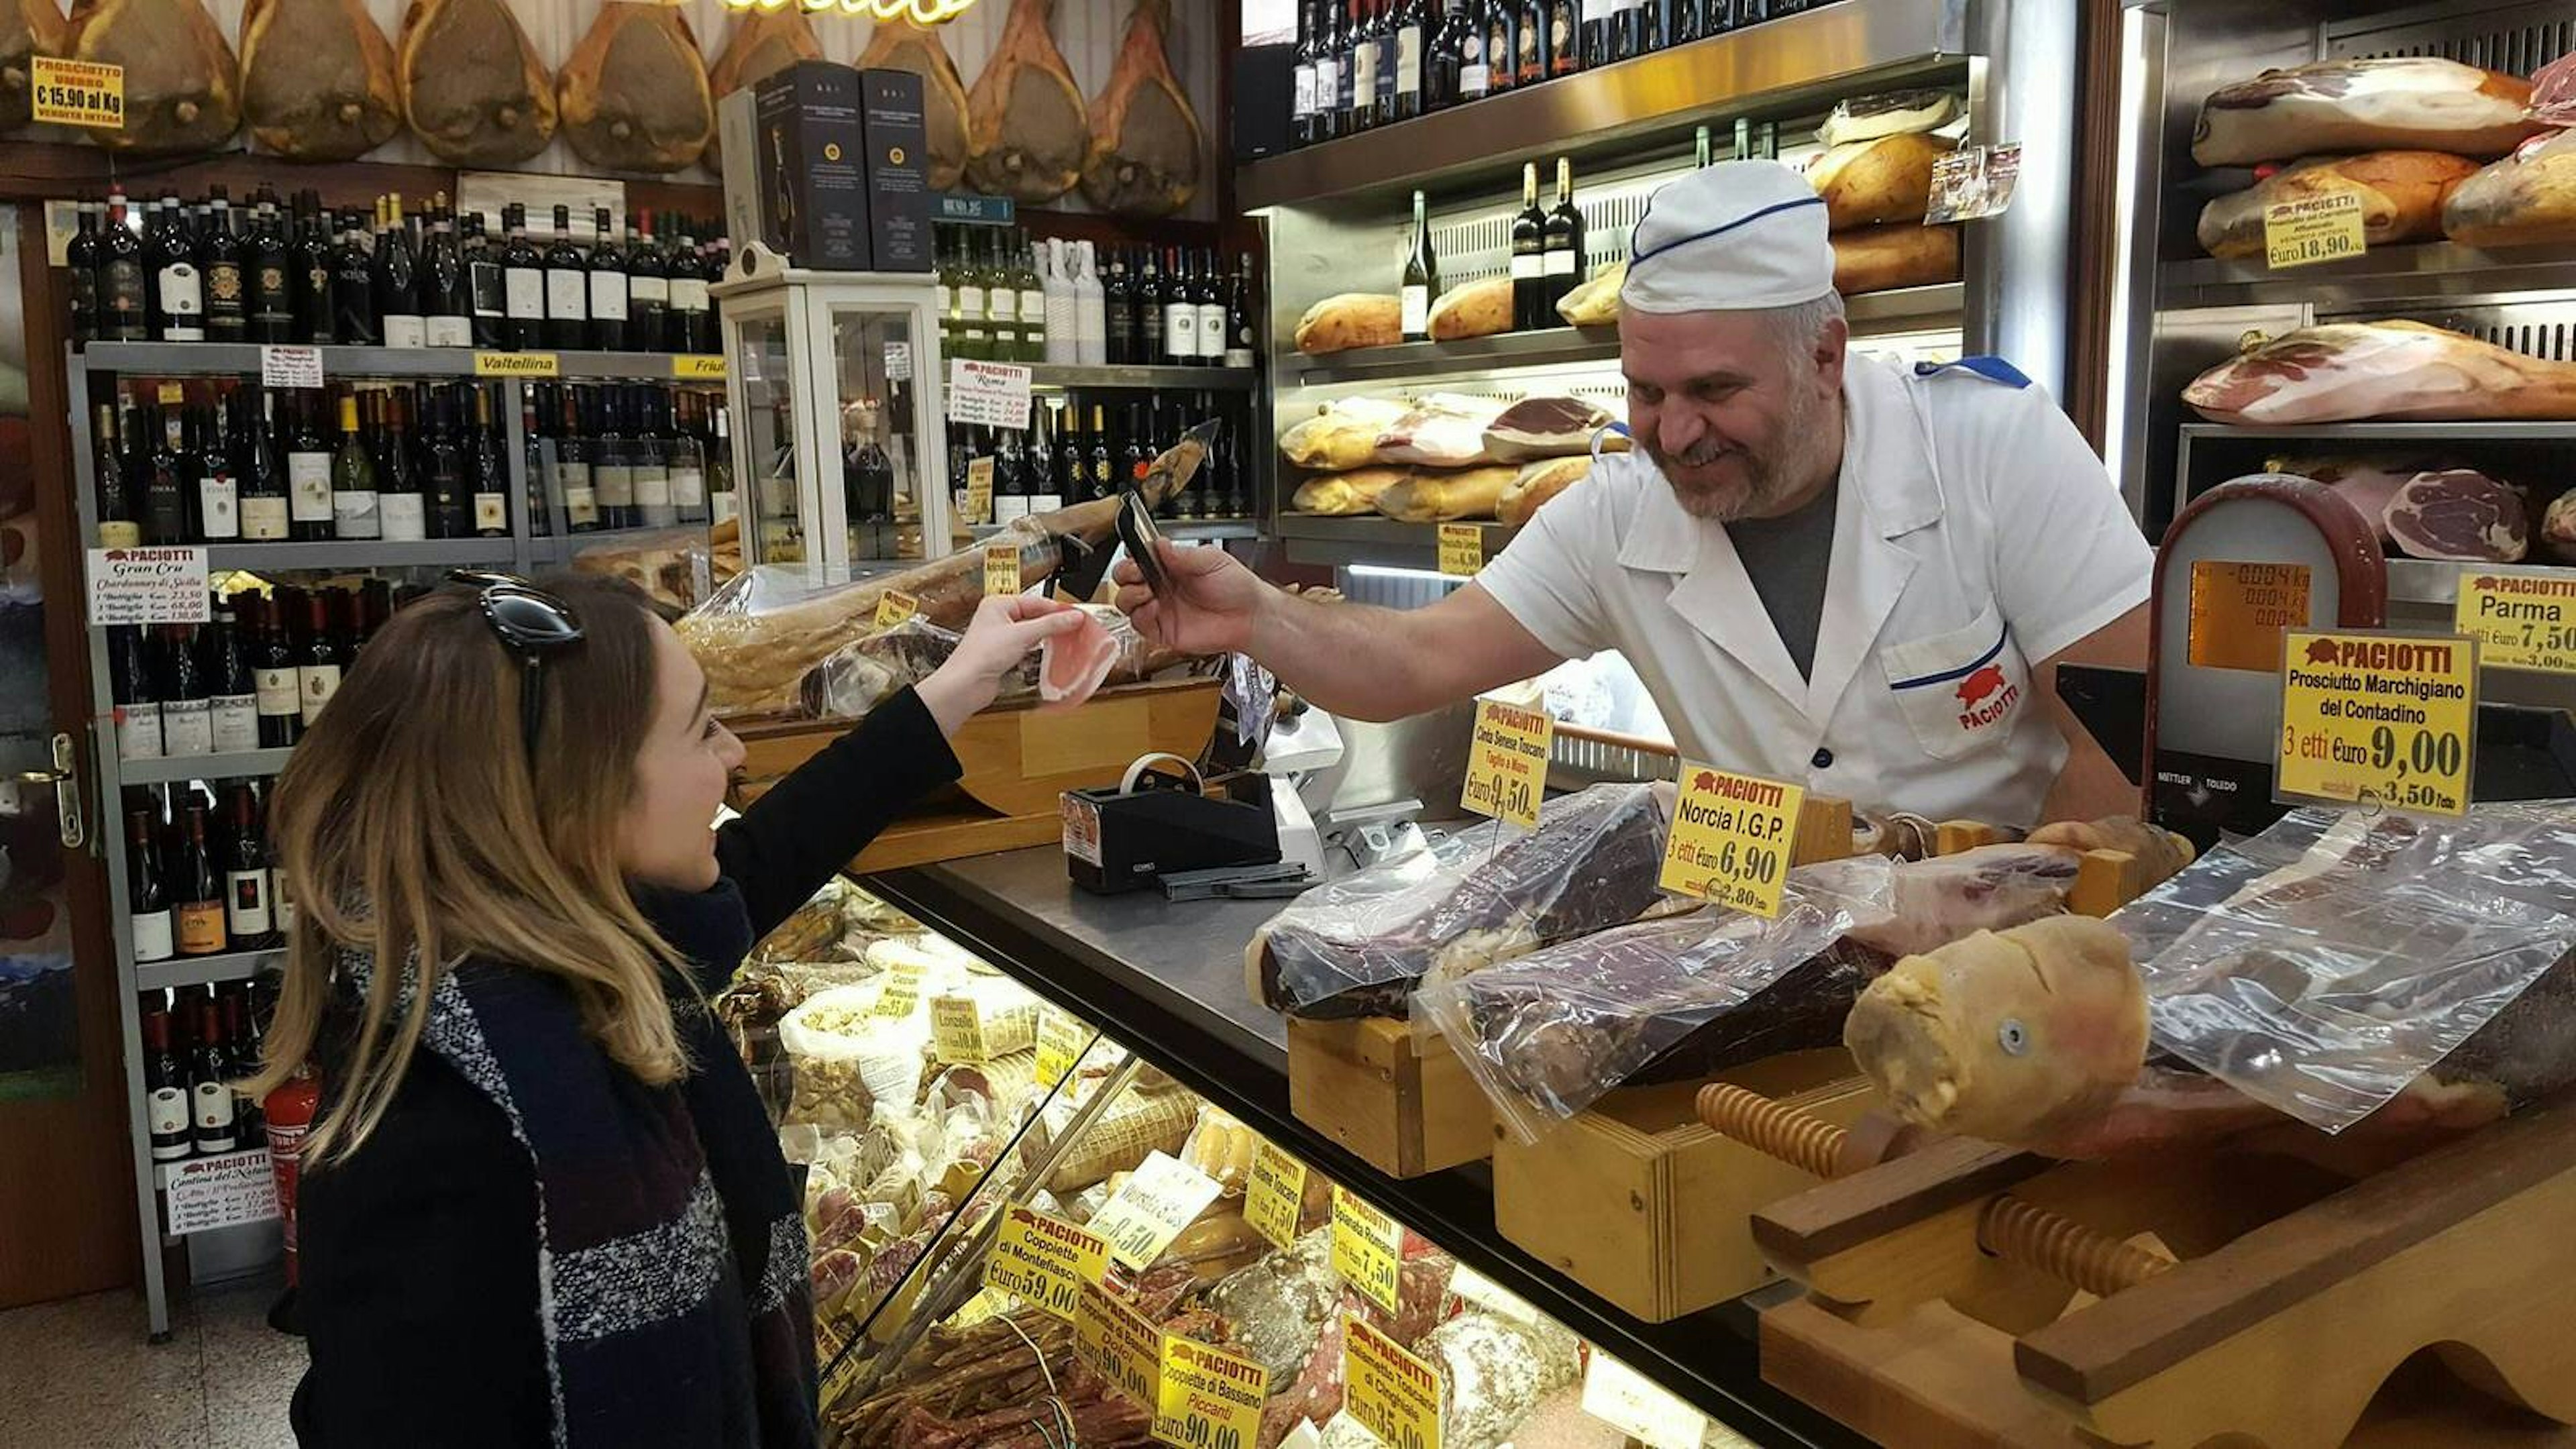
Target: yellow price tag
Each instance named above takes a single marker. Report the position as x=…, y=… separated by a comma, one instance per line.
x=1211, y=1399
x=1638, y=1407
x=2313, y=229
x=1158, y=1199
x=894, y=606
x=1115, y=1342
x=1368, y=1250
x=706, y=365
x=1274, y=1197
x=77, y=93
x=1462, y=549
x=1507, y=763
x=1001, y=569
x=1394, y=1394
x=2384, y=719
x=1062, y=1040
x=979, y=490
x=902, y=994
x=1044, y=1261
x=2520, y=620
x=840, y=1380
x=957, y=1030
x=2238, y=611
x=1731, y=839
x=516, y=364
x=172, y=394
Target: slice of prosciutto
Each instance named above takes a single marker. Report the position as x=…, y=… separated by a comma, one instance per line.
x=2460, y=514
x=2344, y=371
x=2376, y=104
x=1544, y=427
x=1440, y=431
x=1072, y=665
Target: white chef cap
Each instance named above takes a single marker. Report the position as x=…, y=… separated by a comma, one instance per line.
x=1736, y=236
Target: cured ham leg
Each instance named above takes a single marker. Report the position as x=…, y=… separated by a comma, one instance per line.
x=1026, y=132
x=634, y=96
x=1147, y=146
x=28, y=28
x=2346, y=371
x=181, y=91
x=472, y=86
x=317, y=79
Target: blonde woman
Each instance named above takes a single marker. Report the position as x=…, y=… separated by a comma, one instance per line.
x=542, y=1204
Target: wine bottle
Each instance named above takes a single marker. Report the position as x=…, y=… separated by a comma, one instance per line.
x=1684, y=24
x=218, y=486
x=402, y=507
x=247, y=916
x=1180, y=313
x=1564, y=254
x=1240, y=331
x=1151, y=338
x=1529, y=257
x=447, y=292
x=320, y=658
x=187, y=705
x=1212, y=331
x=355, y=512
x=222, y=273
x=1332, y=72
x=487, y=299
x=80, y=259
x=124, y=311
x=134, y=684
x=1301, y=78
x=232, y=706
x=117, y=525
x=269, y=262
x=688, y=460
x=1363, y=42
x=275, y=685
x=1454, y=57
x=567, y=288
x=523, y=283
x=1594, y=43
x=612, y=461
x=1421, y=277
x=574, y=482
x=1410, y=39
x=1118, y=312
x=723, y=504
x=210, y=1063
x=648, y=291
x=308, y=472
x=1502, y=51
x=147, y=889
x=974, y=330
x=197, y=909
x=1002, y=303
x=1072, y=470
x=1100, y=465
x=178, y=288
x=165, y=1075
x=1090, y=308
x=315, y=320
x=483, y=467
x=607, y=284
x=693, y=313
x=1035, y=325
x=166, y=486
x=353, y=289
x=455, y=505
x=649, y=455
x=1644, y=28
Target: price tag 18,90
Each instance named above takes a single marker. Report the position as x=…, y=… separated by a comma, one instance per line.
x=901, y=996
x=1211, y=1399
x=1274, y=1196
x=1731, y=838
x=2378, y=719
x=1368, y=1250
x=1044, y=1261
x=1636, y=1406
x=1159, y=1199
x=1001, y=569
x=2313, y=229
x=1115, y=1342
x=1462, y=550
x=957, y=1030
x=1507, y=762
x=2521, y=620
x=1393, y=1394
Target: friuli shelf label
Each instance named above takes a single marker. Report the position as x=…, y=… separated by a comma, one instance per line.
x=1044, y=1261
x=1117, y=1343
x=1507, y=762
x=2378, y=719
x=1368, y=1250
x=2521, y=620
x=516, y=364
x=704, y=365
x=1274, y=1197
x=77, y=93
x=1462, y=549
x=1731, y=838
x=1393, y=1394
x=1211, y=1399
x=2313, y=229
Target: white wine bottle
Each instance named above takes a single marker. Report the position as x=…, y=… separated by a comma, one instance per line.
x=1421, y=277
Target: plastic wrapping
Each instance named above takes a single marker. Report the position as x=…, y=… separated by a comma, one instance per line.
x=1546, y=1035
x=1357, y=946
x=2325, y=965
x=864, y=673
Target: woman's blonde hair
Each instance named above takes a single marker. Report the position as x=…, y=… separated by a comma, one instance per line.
x=410, y=825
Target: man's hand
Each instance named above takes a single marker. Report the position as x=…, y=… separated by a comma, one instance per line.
x=1215, y=606
x=1005, y=628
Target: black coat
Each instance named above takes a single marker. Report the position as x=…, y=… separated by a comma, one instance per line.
x=418, y=1292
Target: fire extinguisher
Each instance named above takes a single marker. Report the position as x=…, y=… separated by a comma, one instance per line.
x=289, y=1111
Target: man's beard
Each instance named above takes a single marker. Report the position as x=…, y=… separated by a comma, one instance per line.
x=1770, y=475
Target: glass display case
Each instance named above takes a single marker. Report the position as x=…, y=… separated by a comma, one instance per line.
x=838, y=444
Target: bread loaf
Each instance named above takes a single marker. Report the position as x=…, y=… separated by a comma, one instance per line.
x=1888, y=179
x=2363, y=105
x=1876, y=258
x=1536, y=484
x=2401, y=198
x=2526, y=199
x=1342, y=436
x=1339, y=495
x=1350, y=319
x=1594, y=303
x=1447, y=497
x=1475, y=309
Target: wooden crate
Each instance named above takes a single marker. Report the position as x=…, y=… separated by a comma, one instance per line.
x=1643, y=1204
x=1018, y=761
x=2313, y=1303
x=1401, y=1107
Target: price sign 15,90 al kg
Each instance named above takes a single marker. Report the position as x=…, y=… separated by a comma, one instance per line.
x=2378, y=719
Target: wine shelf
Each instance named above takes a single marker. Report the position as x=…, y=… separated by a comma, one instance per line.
x=362, y=553
x=1064, y=375
x=200, y=970
x=226, y=359
x=171, y=769
x=1372, y=541
x=2434, y=274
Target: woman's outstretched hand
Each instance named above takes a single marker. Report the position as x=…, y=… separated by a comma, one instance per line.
x=1005, y=628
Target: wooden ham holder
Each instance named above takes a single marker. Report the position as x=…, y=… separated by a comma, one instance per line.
x=1018, y=761
x=1643, y=1201
x=2312, y=1304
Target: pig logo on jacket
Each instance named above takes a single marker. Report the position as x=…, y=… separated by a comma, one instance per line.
x=1974, y=691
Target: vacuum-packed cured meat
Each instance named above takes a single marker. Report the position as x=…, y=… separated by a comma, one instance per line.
x=1440, y=431
x=2346, y=371
x=1595, y=303
x=1899, y=254
x=2401, y=192
x=1357, y=946
x=1536, y=484
x=1472, y=309
x=2526, y=199
x=1545, y=427
x=1446, y=497
x=2362, y=105
x=1888, y=113
x=2558, y=528
x=1342, y=495
x=1351, y=319
x=2459, y=514
x=1342, y=436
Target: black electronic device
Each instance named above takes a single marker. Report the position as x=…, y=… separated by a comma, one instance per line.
x=1161, y=821
x=1136, y=530
x=1264, y=84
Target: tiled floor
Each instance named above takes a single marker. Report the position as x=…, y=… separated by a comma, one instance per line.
x=80, y=1374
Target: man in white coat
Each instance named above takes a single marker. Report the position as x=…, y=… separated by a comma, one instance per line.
x=1826, y=569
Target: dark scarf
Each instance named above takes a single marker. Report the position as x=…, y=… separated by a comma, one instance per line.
x=671, y=1258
